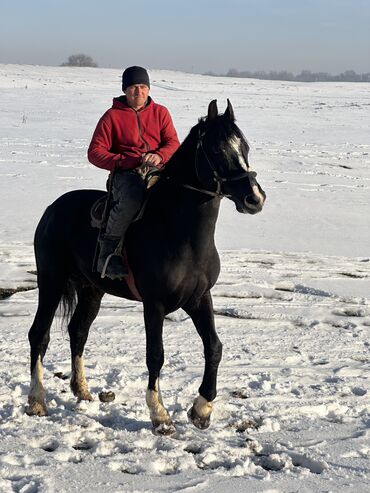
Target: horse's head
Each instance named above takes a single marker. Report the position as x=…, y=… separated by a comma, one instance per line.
x=222, y=161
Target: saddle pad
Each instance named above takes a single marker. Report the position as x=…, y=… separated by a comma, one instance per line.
x=131, y=280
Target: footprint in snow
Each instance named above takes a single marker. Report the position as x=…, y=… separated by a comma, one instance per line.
x=277, y=458
x=350, y=312
x=25, y=484
x=50, y=446
x=359, y=391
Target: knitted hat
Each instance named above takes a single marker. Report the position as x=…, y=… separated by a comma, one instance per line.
x=134, y=75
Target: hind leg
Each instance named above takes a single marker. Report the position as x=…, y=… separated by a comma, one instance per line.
x=50, y=293
x=87, y=308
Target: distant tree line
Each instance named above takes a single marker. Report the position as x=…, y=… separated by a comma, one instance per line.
x=304, y=76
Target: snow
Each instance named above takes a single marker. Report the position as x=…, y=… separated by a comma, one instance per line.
x=291, y=303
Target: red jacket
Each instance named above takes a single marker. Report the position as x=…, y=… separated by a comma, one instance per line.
x=123, y=135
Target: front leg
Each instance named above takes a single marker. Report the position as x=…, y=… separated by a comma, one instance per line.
x=201, y=312
x=154, y=316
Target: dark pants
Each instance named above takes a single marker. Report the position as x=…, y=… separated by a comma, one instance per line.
x=128, y=190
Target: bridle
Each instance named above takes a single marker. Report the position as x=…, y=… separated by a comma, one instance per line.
x=217, y=178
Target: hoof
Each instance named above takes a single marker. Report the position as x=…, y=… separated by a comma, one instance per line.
x=36, y=409
x=164, y=429
x=198, y=422
x=84, y=396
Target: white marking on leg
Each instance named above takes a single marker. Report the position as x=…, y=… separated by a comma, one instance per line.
x=158, y=413
x=202, y=407
x=79, y=384
x=36, y=396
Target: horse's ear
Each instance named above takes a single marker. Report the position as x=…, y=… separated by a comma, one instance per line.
x=229, y=113
x=212, y=110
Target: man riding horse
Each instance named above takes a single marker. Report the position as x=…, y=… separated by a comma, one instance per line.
x=132, y=137
x=171, y=251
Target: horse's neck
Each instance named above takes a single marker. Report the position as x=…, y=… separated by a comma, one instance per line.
x=181, y=167
x=191, y=211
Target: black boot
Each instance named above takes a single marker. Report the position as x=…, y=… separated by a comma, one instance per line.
x=110, y=262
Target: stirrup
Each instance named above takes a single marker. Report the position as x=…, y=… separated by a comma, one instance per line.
x=114, y=267
x=105, y=266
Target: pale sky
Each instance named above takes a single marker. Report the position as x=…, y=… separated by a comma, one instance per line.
x=190, y=35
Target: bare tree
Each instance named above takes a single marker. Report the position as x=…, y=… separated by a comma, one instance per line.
x=79, y=60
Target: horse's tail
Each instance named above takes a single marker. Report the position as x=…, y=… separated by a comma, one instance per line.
x=53, y=263
x=68, y=302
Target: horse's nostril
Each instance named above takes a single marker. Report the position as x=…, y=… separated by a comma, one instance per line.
x=252, y=200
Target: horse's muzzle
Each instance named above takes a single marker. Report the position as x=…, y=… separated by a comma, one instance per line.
x=253, y=203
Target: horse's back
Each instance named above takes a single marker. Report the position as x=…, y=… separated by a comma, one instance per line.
x=76, y=200
x=72, y=206
x=64, y=221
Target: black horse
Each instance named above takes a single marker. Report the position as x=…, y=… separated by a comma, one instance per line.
x=171, y=253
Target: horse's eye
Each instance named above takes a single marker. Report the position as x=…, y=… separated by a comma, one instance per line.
x=217, y=150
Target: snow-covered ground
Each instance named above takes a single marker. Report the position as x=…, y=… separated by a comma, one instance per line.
x=291, y=304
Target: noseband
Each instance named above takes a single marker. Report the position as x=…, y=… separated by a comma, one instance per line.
x=219, y=180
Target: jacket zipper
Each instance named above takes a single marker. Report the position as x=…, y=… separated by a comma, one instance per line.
x=141, y=132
